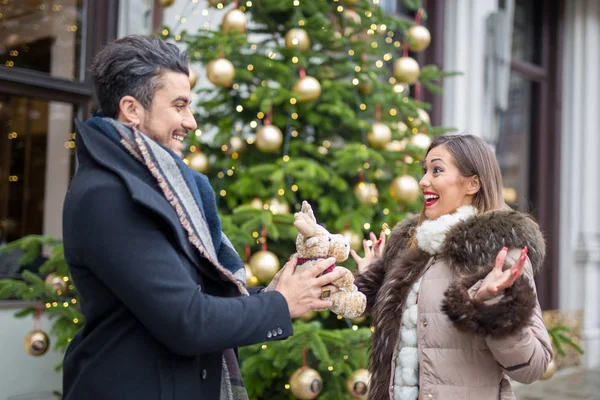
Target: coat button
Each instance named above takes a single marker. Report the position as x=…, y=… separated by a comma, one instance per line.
x=203, y=374
x=425, y=324
x=430, y=396
x=279, y=331
x=269, y=335
x=274, y=332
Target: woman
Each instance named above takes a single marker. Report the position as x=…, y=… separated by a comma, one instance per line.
x=452, y=297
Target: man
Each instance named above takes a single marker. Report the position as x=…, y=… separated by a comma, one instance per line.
x=160, y=285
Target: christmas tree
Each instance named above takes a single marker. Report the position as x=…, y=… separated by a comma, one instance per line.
x=315, y=100
x=309, y=100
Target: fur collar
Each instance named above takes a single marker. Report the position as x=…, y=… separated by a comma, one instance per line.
x=472, y=241
x=470, y=245
x=431, y=234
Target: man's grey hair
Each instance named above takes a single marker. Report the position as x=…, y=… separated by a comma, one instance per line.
x=133, y=66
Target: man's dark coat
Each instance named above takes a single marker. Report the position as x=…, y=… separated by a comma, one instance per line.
x=158, y=316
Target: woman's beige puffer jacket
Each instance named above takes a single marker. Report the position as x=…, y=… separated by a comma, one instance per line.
x=466, y=349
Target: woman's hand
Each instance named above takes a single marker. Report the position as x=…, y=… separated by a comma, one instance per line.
x=372, y=254
x=497, y=280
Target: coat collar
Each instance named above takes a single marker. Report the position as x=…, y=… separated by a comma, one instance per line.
x=472, y=242
x=142, y=186
x=432, y=233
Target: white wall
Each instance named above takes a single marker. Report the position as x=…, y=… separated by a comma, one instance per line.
x=464, y=51
x=135, y=17
x=580, y=180
x=20, y=373
x=197, y=15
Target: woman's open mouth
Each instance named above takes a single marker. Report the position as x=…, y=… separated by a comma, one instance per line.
x=430, y=198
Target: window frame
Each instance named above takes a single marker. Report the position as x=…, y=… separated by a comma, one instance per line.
x=101, y=19
x=545, y=148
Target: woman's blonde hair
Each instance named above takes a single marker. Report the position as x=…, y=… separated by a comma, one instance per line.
x=473, y=156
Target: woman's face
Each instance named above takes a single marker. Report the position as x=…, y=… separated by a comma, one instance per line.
x=444, y=188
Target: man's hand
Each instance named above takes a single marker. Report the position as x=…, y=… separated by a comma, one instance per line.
x=303, y=291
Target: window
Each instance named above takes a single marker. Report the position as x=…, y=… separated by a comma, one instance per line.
x=528, y=145
x=37, y=148
x=43, y=36
x=45, y=52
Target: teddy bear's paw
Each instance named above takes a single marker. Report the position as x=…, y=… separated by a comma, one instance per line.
x=346, y=281
x=348, y=304
x=352, y=314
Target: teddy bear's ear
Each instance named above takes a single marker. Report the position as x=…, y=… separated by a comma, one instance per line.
x=305, y=224
x=307, y=209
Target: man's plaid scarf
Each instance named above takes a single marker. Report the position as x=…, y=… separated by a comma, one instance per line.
x=192, y=197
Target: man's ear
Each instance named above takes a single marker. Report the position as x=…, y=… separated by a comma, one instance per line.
x=474, y=184
x=130, y=110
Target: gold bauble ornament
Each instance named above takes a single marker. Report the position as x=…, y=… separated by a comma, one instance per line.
x=396, y=145
x=358, y=384
x=420, y=122
x=199, y=162
x=236, y=144
x=419, y=38
x=367, y=193
x=550, y=371
x=352, y=20
x=264, y=265
x=256, y=203
x=379, y=135
x=36, y=343
x=306, y=383
x=297, y=39
x=406, y=70
x=402, y=128
x=278, y=206
x=220, y=72
x=234, y=22
x=193, y=77
x=423, y=116
x=308, y=89
x=166, y=3
x=405, y=189
x=422, y=141
x=353, y=238
x=57, y=282
x=269, y=139
x=251, y=280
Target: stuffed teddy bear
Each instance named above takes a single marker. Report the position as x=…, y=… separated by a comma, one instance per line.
x=314, y=243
